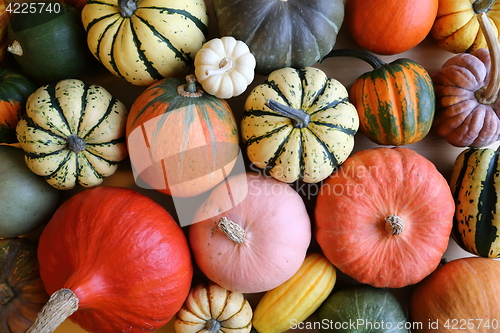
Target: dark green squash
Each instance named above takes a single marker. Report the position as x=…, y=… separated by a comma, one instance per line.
x=475, y=184
x=50, y=45
x=282, y=33
x=362, y=309
x=22, y=294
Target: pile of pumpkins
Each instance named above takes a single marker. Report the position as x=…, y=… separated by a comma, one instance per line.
x=112, y=258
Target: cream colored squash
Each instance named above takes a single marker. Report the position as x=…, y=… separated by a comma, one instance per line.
x=225, y=67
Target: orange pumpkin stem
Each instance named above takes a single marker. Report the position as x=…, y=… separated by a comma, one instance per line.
x=62, y=304
x=224, y=66
x=190, y=88
x=394, y=225
x=6, y=293
x=489, y=94
x=233, y=231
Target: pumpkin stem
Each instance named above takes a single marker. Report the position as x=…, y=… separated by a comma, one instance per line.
x=394, y=225
x=489, y=94
x=482, y=6
x=190, y=88
x=15, y=48
x=233, y=231
x=6, y=293
x=371, y=59
x=76, y=144
x=212, y=325
x=127, y=7
x=224, y=66
x=62, y=304
x=300, y=117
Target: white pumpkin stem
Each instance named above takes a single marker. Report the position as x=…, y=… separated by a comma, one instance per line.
x=15, y=48
x=62, y=304
x=190, y=88
x=225, y=65
x=233, y=231
x=300, y=117
x=489, y=94
x=394, y=225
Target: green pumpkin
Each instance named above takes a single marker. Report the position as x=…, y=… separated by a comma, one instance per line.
x=281, y=33
x=475, y=184
x=50, y=45
x=362, y=309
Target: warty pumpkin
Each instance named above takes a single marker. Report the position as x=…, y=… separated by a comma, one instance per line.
x=22, y=294
x=457, y=27
x=299, y=124
x=212, y=309
x=460, y=296
x=467, y=87
x=115, y=260
x=182, y=141
x=73, y=133
x=143, y=41
x=15, y=89
x=251, y=234
x=475, y=185
x=385, y=217
x=391, y=26
x=395, y=101
x=297, y=298
x=289, y=33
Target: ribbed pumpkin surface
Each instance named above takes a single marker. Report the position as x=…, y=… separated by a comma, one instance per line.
x=395, y=103
x=475, y=183
x=73, y=133
x=289, y=152
x=156, y=39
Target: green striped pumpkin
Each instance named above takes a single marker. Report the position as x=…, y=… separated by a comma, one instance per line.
x=395, y=101
x=143, y=41
x=73, y=133
x=299, y=124
x=475, y=184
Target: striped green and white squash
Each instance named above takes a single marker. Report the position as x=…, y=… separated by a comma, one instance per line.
x=73, y=133
x=144, y=41
x=475, y=184
x=299, y=124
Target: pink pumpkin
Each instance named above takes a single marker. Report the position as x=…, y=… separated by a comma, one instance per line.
x=253, y=235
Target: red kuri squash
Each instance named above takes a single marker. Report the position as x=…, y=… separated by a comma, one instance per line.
x=116, y=259
x=385, y=217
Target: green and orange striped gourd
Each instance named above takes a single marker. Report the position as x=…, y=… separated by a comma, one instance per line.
x=287, y=305
x=395, y=101
x=475, y=184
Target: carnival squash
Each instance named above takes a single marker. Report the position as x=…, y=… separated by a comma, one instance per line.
x=27, y=201
x=475, y=185
x=289, y=33
x=457, y=28
x=143, y=41
x=22, y=294
x=370, y=309
x=224, y=67
x=395, y=101
x=460, y=296
x=293, y=301
x=212, y=309
x=390, y=27
x=467, y=88
x=49, y=45
x=182, y=141
x=251, y=234
x=115, y=260
x=299, y=124
x=385, y=217
x=15, y=89
x=73, y=133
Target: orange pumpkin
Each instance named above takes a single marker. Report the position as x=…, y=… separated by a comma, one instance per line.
x=385, y=217
x=4, y=38
x=182, y=141
x=390, y=26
